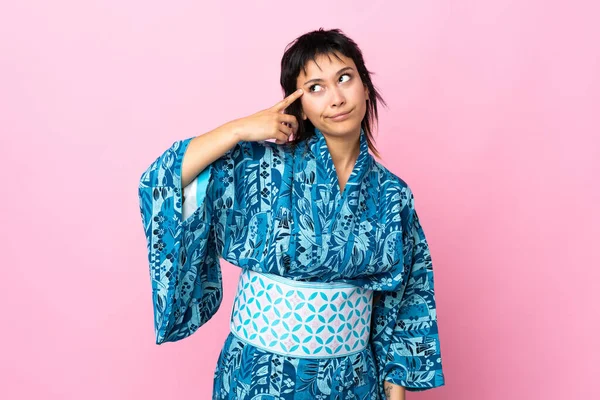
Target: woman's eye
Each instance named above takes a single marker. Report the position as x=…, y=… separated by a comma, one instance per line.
x=311, y=88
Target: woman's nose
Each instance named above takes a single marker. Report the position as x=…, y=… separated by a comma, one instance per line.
x=337, y=97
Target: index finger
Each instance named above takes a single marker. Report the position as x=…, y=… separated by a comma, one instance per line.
x=283, y=104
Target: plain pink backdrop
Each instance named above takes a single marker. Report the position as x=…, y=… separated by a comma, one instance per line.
x=492, y=119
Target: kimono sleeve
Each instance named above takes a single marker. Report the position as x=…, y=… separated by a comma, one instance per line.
x=404, y=335
x=185, y=236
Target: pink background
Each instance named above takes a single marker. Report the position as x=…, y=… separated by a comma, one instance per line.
x=492, y=119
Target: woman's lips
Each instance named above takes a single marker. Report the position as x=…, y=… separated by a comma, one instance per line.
x=341, y=117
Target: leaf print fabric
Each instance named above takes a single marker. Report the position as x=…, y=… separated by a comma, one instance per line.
x=405, y=332
x=278, y=209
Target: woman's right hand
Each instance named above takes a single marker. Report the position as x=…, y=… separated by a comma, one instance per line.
x=270, y=123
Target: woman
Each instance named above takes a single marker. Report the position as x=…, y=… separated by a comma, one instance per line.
x=335, y=299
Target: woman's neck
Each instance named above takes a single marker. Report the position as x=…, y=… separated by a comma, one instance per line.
x=344, y=151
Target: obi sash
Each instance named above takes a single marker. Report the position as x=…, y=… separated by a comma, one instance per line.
x=301, y=319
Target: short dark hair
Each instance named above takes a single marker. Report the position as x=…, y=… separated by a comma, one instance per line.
x=325, y=42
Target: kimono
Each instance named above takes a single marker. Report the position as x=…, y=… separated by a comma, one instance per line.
x=278, y=209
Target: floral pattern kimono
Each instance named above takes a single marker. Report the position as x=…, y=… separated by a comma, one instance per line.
x=279, y=209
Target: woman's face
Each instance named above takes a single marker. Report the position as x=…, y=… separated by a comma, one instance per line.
x=333, y=86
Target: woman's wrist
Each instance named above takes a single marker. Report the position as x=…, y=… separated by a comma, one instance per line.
x=233, y=129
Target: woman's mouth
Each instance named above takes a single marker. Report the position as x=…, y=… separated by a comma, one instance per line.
x=340, y=116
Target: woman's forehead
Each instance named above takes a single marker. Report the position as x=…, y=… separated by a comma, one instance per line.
x=324, y=65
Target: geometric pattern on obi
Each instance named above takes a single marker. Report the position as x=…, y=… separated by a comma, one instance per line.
x=301, y=319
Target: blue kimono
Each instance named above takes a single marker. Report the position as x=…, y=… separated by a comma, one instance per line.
x=278, y=209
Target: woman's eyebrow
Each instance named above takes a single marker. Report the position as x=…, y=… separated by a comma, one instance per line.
x=321, y=80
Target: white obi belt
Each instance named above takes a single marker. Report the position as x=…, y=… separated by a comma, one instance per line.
x=301, y=319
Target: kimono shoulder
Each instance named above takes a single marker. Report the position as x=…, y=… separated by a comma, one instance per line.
x=397, y=193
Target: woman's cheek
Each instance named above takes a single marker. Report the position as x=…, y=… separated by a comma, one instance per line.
x=308, y=108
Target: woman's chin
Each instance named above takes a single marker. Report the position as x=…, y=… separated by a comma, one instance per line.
x=342, y=128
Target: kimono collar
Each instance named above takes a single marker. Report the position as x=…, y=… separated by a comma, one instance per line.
x=363, y=163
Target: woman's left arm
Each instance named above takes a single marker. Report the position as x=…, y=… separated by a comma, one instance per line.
x=393, y=391
x=404, y=334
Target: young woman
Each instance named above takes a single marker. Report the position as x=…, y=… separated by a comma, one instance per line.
x=335, y=298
